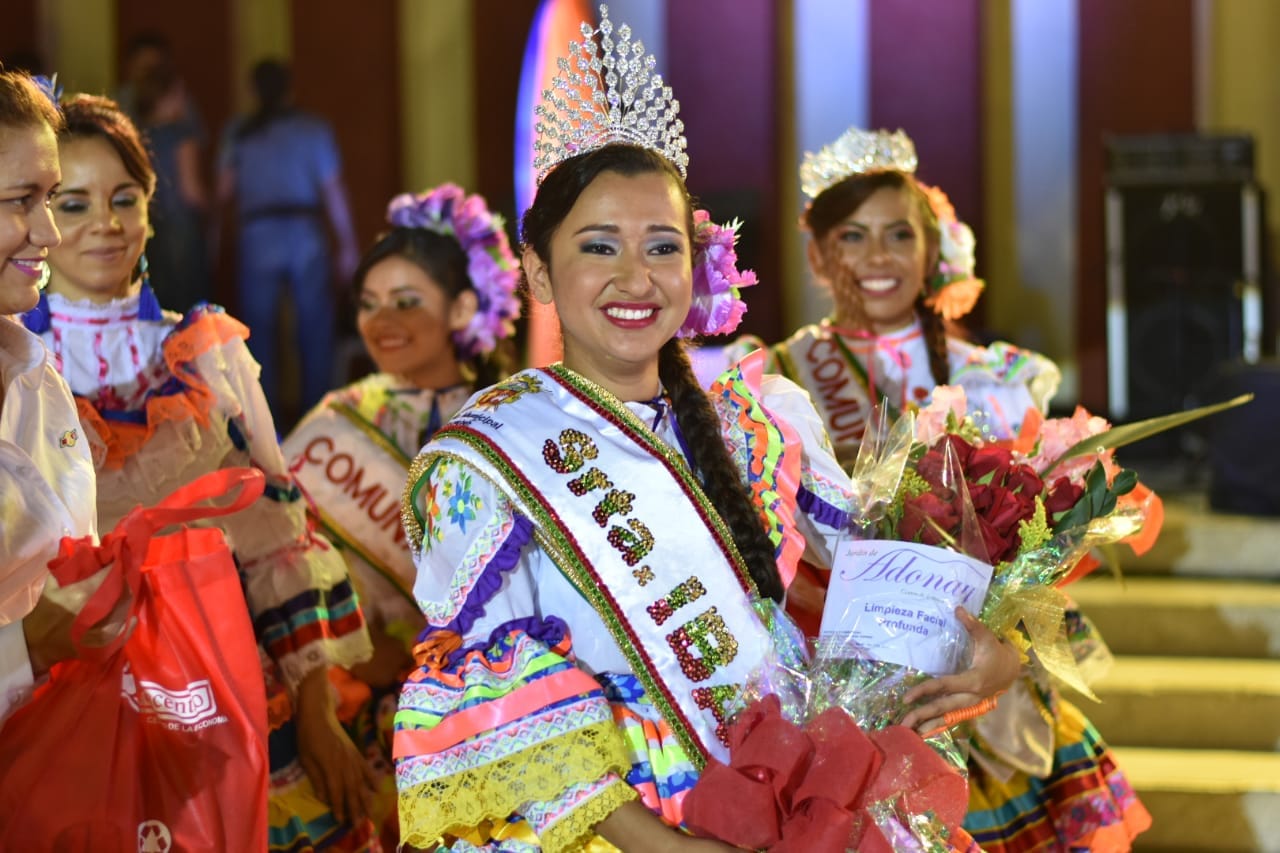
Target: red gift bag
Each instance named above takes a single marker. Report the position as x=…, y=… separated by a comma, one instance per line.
x=157, y=743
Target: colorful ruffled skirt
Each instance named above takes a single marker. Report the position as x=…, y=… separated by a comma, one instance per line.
x=1085, y=803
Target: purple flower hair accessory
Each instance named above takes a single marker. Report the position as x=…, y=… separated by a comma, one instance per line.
x=491, y=266
x=49, y=87
x=716, y=308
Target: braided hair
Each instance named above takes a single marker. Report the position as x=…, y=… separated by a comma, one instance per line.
x=836, y=203
x=698, y=420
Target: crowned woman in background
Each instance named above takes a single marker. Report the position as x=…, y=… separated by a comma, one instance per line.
x=900, y=268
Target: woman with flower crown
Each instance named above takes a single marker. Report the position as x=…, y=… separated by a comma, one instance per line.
x=435, y=301
x=164, y=398
x=46, y=472
x=900, y=268
x=600, y=544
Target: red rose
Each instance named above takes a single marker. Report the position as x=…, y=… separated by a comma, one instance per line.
x=1063, y=496
x=1024, y=479
x=992, y=460
x=999, y=511
x=922, y=516
x=931, y=465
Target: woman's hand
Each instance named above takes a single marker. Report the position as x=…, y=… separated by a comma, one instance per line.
x=337, y=770
x=389, y=660
x=47, y=628
x=995, y=666
x=634, y=828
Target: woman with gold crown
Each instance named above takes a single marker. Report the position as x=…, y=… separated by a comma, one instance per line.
x=900, y=268
x=600, y=544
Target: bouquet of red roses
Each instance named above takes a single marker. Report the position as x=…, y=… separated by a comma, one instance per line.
x=942, y=518
x=946, y=517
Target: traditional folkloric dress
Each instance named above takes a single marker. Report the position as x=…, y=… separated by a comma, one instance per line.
x=1042, y=777
x=164, y=399
x=351, y=455
x=46, y=492
x=588, y=614
x=847, y=373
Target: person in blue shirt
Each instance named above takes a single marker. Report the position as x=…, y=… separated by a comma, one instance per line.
x=283, y=169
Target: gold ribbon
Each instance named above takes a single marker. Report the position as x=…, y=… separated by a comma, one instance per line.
x=1041, y=612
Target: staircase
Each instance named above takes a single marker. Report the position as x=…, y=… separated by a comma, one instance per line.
x=1192, y=705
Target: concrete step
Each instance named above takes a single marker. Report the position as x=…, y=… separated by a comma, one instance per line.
x=1183, y=616
x=1206, y=800
x=1201, y=703
x=1196, y=541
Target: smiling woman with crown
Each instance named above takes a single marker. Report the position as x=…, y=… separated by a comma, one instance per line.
x=900, y=266
x=601, y=545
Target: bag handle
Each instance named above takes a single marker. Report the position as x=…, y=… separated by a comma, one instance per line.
x=126, y=546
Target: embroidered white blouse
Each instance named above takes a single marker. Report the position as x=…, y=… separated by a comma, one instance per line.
x=48, y=489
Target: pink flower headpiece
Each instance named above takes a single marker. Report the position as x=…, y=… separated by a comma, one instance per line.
x=716, y=308
x=953, y=289
x=491, y=266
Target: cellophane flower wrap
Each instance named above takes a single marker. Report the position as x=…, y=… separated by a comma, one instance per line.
x=817, y=760
x=805, y=775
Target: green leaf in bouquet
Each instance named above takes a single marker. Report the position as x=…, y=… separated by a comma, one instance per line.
x=1124, y=482
x=1124, y=434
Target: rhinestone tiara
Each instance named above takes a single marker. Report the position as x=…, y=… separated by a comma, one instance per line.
x=856, y=152
x=607, y=91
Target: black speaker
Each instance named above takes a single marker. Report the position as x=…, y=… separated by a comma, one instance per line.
x=1184, y=230
x=1244, y=455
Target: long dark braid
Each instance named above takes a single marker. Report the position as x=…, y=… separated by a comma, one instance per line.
x=700, y=426
x=935, y=337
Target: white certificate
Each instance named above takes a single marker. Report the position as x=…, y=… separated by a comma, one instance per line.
x=895, y=601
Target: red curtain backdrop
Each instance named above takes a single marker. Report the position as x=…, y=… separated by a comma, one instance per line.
x=1136, y=75
x=721, y=58
x=926, y=78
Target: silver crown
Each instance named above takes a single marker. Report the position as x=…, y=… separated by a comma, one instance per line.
x=634, y=106
x=856, y=152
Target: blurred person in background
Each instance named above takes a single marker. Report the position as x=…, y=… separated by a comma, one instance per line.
x=283, y=169
x=157, y=100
